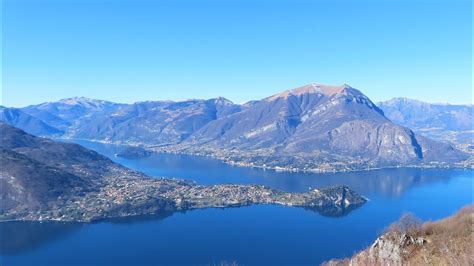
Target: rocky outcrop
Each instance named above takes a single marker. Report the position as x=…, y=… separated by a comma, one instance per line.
x=444, y=242
x=389, y=249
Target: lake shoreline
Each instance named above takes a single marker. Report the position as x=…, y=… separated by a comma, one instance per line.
x=466, y=166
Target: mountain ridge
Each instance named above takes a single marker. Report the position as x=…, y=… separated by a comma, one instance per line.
x=444, y=122
x=313, y=127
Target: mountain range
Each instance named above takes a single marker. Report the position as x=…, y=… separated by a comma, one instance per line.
x=314, y=127
x=445, y=122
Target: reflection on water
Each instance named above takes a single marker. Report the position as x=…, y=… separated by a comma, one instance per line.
x=22, y=236
x=387, y=182
x=139, y=218
x=16, y=237
x=249, y=235
x=334, y=212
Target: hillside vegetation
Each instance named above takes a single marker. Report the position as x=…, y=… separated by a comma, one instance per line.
x=410, y=242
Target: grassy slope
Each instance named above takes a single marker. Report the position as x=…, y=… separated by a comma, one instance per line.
x=445, y=242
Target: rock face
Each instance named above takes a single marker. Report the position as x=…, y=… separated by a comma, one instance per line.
x=439, y=121
x=315, y=127
x=42, y=179
x=290, y=120
x=392, y=248
x=388, y=249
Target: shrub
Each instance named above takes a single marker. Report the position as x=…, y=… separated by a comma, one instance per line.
x=408, y=224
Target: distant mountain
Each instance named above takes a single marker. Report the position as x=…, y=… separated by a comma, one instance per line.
x=20, y=119
x=41, y=179
x=291, y=119
x=454, y=123
x=66, y=113
x=315, y=127
x=153, y=123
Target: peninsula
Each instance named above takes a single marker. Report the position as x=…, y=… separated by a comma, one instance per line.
x=45, y=180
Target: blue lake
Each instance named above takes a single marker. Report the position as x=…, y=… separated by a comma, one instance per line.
x=256, y=235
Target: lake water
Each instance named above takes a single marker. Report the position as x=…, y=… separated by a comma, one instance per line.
x=255, y=235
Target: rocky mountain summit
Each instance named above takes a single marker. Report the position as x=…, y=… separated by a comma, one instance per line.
x=316, y=127
x=46, y=180
x=313, y=128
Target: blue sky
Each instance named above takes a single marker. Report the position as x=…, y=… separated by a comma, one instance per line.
x=137, y=50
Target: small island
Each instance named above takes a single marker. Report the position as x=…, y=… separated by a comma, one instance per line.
x=133, y=153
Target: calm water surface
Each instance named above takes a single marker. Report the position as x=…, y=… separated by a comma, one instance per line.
x=256, y=235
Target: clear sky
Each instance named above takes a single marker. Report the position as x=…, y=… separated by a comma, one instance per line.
x=137, y=50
